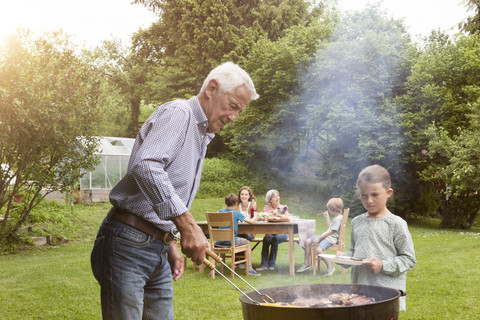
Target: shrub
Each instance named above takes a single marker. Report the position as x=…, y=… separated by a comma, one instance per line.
x=47, y=218
x=221, y=176
x=51, y=212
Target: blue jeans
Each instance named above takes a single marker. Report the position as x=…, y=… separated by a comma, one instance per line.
x=249, y=236
x=271, y=240
x=323, y=244
x=133, y=272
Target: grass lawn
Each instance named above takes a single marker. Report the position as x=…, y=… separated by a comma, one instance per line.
x=57, y=283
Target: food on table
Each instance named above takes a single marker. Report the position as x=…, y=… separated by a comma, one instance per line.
x=262, y=216
x=277, y=219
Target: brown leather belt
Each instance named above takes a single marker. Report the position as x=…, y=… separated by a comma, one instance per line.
x=142, y=225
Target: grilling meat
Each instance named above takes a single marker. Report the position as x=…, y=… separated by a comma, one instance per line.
x=361, y=300
x=333, y=300
x=312, y=302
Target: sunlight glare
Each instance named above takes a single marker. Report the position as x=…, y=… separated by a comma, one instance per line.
x=88, y=22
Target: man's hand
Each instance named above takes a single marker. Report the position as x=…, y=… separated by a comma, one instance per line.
x=193, y=241
x=374, y=265
x=175, y=260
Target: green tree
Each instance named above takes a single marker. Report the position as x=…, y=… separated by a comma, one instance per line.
x=439, y=112
x=458, y=173
x=115, y=111
x=192, y=37
x=48, y=116
x=273, y=120
x=319, y=121
x=348, y=94
x=125, y=73
x=326, y=118
x=471, y=24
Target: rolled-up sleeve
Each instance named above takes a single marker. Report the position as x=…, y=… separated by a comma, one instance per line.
x=161, y=145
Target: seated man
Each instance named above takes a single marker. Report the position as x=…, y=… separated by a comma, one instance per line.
x=230, y=202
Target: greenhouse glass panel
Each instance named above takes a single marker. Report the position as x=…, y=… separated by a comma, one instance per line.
x=85, y=180
x=114, y=155
x=97, y=176
x=115, y=168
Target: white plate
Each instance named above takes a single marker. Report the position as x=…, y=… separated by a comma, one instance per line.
x=341, y=260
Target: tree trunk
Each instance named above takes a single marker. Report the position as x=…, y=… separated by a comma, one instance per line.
x=132, y=129
x=459, y=212
x=471, y=219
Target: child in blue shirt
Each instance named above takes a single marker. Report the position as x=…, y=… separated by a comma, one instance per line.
x=230, y=202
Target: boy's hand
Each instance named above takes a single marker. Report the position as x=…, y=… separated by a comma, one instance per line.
x=374, y=265
x=325, y=214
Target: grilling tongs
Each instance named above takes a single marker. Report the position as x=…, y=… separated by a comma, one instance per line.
x=265, y=297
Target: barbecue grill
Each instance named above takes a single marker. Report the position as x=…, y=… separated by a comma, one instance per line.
x=386, y=305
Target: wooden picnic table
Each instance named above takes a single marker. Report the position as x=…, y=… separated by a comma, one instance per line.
x=306, y=227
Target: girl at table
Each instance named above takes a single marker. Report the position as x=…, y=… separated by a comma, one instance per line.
x=378, y=237
x=246, y=205
x=271, y=241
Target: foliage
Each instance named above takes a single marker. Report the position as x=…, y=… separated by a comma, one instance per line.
x=440, y=119
x=471, y=25
x=275, y=67
x=192, y=37
x=61, y=221
x=126, y=73
x=458, y=172
x=324, y=119
x=267, y=134
x=48, y=118
x=221, y=176
x=50, y=211
x=352, y=124
x=114, y=110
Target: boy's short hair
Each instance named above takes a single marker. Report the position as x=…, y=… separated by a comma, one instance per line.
x=335, y=205
x=231, y=199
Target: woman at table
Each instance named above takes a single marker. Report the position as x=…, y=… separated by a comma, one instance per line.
x=271, y=241
x=247, y=206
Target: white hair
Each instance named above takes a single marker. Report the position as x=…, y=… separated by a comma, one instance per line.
x=270, y=195
x=230, y=76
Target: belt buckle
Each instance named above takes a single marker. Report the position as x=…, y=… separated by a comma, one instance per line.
x=168, y=238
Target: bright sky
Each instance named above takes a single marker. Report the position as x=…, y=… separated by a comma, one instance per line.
x=91, y=21
x=88, y=21
x=420, y=16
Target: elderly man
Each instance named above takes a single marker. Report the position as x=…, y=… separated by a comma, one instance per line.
x=132, y=258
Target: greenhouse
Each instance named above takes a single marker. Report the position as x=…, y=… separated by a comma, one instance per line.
x=115, y=154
